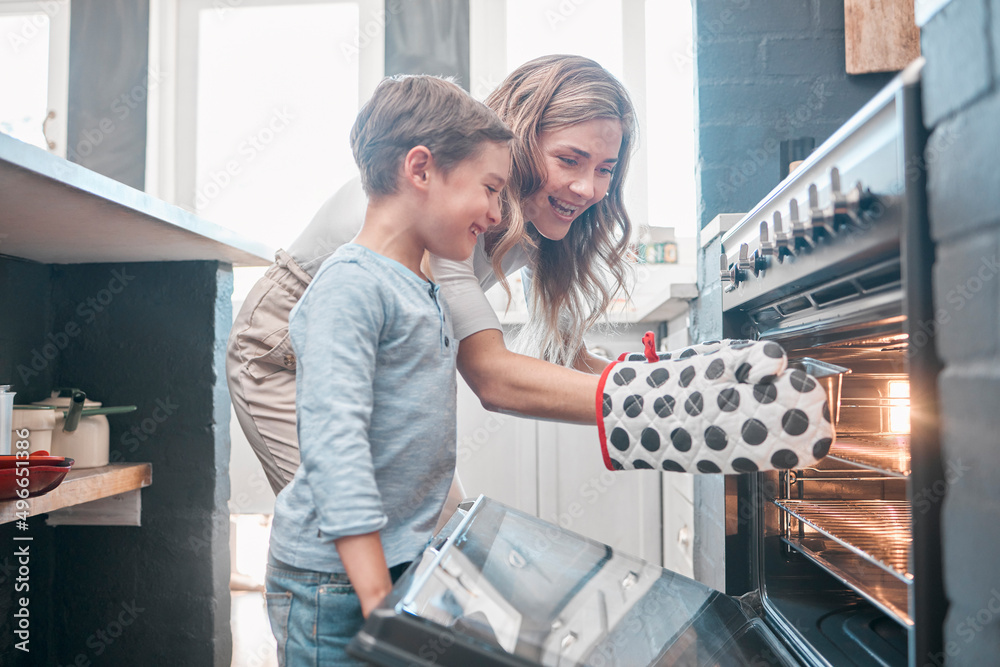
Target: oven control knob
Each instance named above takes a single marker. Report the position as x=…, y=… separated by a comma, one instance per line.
x=821, y=220
x=865, y=203
x=782, y=241
x=800, y=228
x=766, y=247
x=724, y=275
x=743, y=261
x=734, y=275
x=846, y=206
x=759, y=257
x=838, y=201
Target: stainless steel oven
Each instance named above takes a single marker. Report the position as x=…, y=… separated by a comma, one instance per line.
x=835, y=264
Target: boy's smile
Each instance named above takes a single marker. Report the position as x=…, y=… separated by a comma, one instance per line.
x=466, y=202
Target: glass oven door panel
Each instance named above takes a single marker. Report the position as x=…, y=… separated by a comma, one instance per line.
x=500, y=587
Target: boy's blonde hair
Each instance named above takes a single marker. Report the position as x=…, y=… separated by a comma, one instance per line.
x=419, y=110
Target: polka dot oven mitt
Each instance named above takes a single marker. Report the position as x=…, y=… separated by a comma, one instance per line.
x=720, y=407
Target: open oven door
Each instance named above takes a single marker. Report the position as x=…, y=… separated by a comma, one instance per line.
x=500, y=587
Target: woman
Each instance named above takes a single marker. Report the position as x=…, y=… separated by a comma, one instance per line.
x=563, y=216
x=563, y=220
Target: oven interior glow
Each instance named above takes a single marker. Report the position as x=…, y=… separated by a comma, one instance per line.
x=899, y=410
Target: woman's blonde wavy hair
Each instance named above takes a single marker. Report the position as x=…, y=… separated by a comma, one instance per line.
x=575, y=279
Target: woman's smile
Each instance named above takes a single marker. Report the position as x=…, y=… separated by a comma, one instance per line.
x=563, y=209
x=579, y=162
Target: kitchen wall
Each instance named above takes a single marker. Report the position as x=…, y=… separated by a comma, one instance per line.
x=25, y=361
x=962, y=112
x=765, y=71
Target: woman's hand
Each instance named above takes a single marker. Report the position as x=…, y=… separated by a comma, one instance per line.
x=730, y=407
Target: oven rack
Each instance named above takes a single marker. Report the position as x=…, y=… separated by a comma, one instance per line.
x=888, y=455
x=876, y=530
x=864, y=543
x=873, y=583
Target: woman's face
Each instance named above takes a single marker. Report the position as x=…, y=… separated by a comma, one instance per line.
x=579, y=160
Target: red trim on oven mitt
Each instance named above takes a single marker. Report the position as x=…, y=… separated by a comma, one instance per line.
x=720, y=407
x=601, y=414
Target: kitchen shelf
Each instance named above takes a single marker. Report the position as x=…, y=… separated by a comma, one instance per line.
x=57, y=212
x=116, y=485
x=888, y=455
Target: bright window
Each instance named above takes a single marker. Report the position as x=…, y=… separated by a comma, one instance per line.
x=34, y=46
x=670, y=131
x=276, y=101
x=253, y=131
x=646, y=44
x=589, y=29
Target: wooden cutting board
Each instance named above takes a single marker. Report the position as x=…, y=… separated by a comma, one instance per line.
x=880, y=35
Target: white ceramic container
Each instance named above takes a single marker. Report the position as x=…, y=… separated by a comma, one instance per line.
x=88, y=444
x=38, y=421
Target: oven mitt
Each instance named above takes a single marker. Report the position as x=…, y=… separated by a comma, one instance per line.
x=726, y=406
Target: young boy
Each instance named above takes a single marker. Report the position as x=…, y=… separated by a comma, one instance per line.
x=375, y=382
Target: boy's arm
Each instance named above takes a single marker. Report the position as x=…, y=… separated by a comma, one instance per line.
x=335, y=330
x=364, y=562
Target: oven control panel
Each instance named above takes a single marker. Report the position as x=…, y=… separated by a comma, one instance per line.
x=839, y=212
x=847, y=212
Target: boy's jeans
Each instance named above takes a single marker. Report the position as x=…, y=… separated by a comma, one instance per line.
x=313, y=615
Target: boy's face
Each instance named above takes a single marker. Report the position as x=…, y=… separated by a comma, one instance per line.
x=466, y=202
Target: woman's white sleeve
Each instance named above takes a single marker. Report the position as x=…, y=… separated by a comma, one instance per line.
x=336, y=223
x=471, y=311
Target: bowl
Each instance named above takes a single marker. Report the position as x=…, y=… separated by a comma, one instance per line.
x=41, y=480
x=10, y=461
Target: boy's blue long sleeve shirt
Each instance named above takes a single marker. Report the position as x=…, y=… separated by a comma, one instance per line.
x=375, y=403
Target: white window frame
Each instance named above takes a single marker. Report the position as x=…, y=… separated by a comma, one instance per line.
x=487, y=68
x=58, y=12
x=171, y=140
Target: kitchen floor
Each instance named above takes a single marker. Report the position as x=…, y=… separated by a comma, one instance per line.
x=253, y=643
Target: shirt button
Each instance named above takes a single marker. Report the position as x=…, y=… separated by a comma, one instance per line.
x=446, y=341
x=289, y=360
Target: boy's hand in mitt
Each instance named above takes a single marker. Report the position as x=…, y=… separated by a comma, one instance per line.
x=727, y=406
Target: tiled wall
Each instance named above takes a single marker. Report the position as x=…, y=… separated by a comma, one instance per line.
x=766, y=71
x=962, y=110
